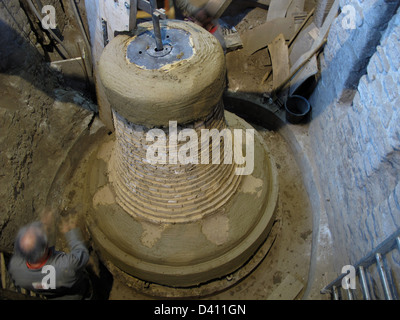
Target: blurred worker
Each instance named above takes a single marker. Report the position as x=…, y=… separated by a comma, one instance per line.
x=185, y=9
x=50, y=273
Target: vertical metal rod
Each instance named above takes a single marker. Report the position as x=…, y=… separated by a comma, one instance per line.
x=156, y=25
x=398, y=243
x=335, y=293
x=382, y=273
x=133, y=8
x=364, y=285
x=350, y=294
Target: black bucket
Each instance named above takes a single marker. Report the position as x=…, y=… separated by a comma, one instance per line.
x=297, y=109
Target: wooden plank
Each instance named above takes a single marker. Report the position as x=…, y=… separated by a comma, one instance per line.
x=303, y=43
x=322, y=9
x=309, y=70
x=261, y=36
x=317, y=43
x=278, y=9
x=296, y=7
x=323, y=32
x=300, y=64
x=266, y=76
x=300, y=28
x=288, y=289
x=315, y=48
x=280, y=60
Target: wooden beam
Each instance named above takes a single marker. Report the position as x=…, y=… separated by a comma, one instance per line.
x=261, y=36
x=315, y=49
x=278, y=9
x=280, y=60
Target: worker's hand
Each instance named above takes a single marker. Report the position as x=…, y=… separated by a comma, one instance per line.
x=203, y=19
x=68, y=223
x=47, y=218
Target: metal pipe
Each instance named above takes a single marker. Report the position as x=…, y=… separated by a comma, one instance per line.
x=133, y=8
x=374, y=256
x=335, y=283
x=382, y=274
x=156, y=25
x=364, y=285
x=350, y=294
x=335, y=293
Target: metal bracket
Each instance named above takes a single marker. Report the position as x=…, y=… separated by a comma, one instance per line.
x=149, y=6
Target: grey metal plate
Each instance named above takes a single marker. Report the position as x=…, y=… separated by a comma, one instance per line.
x=176, y=47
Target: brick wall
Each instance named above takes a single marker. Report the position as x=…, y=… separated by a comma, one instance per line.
x=355, y=132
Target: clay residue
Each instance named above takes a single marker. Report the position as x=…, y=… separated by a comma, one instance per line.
x=216, y=229
x=252, y=185
x=103, y=196
x=105, y=150
x=151, y=233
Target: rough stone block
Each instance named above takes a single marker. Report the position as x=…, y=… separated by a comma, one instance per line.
x=367, y=167
x=383, y=58
x=364, y=90
x=377, y=63
x=357, y=105
x=372, y=70
x=364, y=136
x=377, y=91
x=396, y=196
x=392, y=49
x=375, y=11
x=391, y=87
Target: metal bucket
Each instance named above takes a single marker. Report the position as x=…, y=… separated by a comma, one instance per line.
x=297, y=109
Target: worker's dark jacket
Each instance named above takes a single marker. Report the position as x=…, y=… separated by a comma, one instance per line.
x=70, y=278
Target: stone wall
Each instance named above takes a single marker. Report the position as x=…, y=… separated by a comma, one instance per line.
x=355, y=132
x=17, y=37
x=24, y=40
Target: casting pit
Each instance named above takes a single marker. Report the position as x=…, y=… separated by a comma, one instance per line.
x=175, y=224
